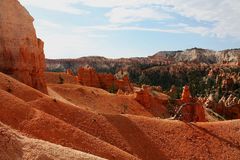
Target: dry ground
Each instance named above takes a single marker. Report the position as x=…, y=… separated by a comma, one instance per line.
x=82, y=118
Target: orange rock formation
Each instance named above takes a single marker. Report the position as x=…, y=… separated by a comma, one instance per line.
x=69, y=72
x=21, y=52
x=192, y=111
x=186, y=95
x=152, y=99
x=229, y=106
x=89, y=77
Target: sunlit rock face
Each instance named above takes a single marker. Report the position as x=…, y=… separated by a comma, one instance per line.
x=153, y=100
x=89, y=77
x=192, y=111
x=186, y=95
x=21, y=52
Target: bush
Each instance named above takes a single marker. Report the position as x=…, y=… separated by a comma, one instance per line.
x=113, y=89
x=61, y=80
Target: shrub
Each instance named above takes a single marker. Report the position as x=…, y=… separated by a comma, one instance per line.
x=61, y=80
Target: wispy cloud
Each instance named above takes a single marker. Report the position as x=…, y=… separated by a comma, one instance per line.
x=97, y=21
x=224, y=14
x=66, y=6
x=114, y=27
x=127, y=15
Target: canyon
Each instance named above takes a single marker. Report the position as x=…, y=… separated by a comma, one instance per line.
x=172, y=105
x=102, y=64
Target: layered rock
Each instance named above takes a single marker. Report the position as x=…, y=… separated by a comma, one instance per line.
x=21, y=52
x=200, y=55
x=89, y=77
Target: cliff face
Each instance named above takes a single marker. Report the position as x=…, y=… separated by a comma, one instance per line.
x=208, y=56
x=162, y=58
x=21, y=52
x=197, y=55
x=89, y=77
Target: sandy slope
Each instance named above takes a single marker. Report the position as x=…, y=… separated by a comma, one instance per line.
x=54, y=78
x=99, y=100
x=19, y=89
x=25, y=118
x=179, y=140
x=15, y=146
x=116, y=136
x=151, y=138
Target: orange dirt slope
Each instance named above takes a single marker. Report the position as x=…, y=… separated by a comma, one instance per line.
x=99, y=100
x=15, y=146
x=116, y=136
x=24, y=117
x=151, y=138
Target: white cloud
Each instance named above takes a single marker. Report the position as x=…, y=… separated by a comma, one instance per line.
x=122, y=28
x=66, y=6
x=126, y=15
x=223, y=14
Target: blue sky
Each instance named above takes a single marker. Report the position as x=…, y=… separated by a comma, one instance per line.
x=133, y=28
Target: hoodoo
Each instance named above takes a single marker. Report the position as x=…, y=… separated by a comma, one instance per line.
x=21, y=52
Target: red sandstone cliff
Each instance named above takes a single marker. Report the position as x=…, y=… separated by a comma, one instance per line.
x=89, y=77
x=21, y=52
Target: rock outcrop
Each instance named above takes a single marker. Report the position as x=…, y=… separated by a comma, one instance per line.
x=21, y=52
x=89, y=77
x=153, y=100
x=227, y=106
x=208, y=56
x=69, y=72
x=186, y=95
x=191, y=110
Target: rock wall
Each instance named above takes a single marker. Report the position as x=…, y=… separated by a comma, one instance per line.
x=89, y=77
x=21, y=52
x=107, y=81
